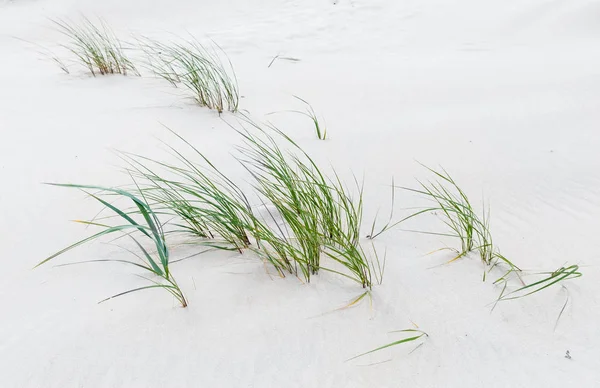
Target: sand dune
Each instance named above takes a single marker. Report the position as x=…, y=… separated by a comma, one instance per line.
x=504, y=95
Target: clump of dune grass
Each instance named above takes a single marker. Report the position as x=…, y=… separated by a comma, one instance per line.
x=206, y=72
x=453, y=206
x=455, y=209
x=209, y=204
x=414, y=335
x=307, y=216
x=139, y=232
x=319, y=215
x=96, y=47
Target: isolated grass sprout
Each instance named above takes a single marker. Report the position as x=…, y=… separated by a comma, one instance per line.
x=150, y=229
x=96, y=47
x=309, y=112
x=414, y=335
x=549, y=279
x=389, y=224
x=202, y=70
x=320, y=130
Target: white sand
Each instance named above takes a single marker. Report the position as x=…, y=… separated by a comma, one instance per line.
x=503, y=94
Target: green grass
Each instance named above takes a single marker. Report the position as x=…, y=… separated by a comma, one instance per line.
x=455, y=210
x=206, y=72
x=320, y=216
x=96, y=47
x=414, y=335
x=309, y=217
x=320, y=130
x=140, y=232
x=548, y=279
x=208, y=204
x=309, y=112
x=376, y=231
x=453, y=207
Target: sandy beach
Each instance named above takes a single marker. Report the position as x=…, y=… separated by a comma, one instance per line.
x=505, y=96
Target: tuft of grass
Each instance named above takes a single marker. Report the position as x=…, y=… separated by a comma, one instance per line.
x=456, y=212
x=96, y=47
x=308, y=216
x=201, y=70
x=319, y=215
x=455, y=209
x=354, y=259
x=150, y=229
x=473, y=232
x=414, y=335
x=209, y=204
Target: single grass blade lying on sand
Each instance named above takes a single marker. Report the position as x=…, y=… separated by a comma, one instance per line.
x=151, y=229
x=201, y=70
x=552, y=278
x=96, y=47
x=402, y=341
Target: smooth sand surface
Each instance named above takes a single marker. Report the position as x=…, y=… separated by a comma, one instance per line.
x=505, y=95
